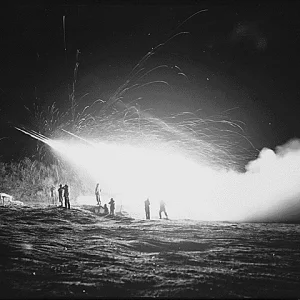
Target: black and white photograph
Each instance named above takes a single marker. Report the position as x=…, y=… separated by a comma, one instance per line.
x=149, y=149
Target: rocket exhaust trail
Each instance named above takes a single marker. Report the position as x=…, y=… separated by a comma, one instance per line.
x=46, y=140
x=35, y=135
x=78, y=137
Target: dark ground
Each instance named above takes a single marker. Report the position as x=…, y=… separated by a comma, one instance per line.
x=53, y=252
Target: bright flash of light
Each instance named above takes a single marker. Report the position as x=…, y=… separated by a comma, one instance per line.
x=184, y=160
x=134, y=173
x=190, y=189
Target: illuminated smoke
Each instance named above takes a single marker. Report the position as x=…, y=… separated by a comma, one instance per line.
x=190, y=166
x=268, y=190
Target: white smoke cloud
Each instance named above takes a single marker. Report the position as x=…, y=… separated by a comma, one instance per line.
x=270, y=185
x=269, y=189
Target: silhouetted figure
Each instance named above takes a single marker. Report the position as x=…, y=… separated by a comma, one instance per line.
x=147, y=209
x=60, y=194
x=97, y=193
x=106, y=209
x=162, y=208
x=112, y=206
x=66, y=196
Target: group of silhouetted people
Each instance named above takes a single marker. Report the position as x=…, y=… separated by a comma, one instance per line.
x=162, y=209
x=111, y=211
x=64, y=193
x=111, y=203
x=64, y=197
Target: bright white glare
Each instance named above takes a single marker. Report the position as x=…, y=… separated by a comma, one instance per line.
x=190, y=190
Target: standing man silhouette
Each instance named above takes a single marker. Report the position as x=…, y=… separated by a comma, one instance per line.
x=60, y=195
x=147, y=209
x=112, y=206
x=162, y=208
x=97, y=193
x=66, y=195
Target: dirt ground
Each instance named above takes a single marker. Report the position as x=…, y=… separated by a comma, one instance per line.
x=58, y=253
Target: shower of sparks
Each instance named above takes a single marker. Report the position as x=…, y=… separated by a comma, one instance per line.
x=138, y=164
x=187, y=161
x=132, y=170
x=135, y=155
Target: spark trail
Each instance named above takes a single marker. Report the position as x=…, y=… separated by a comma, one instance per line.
x=183, y=159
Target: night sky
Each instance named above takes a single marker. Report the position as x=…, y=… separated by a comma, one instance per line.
x=238, y=56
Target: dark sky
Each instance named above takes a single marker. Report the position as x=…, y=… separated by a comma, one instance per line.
x=241, y=56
